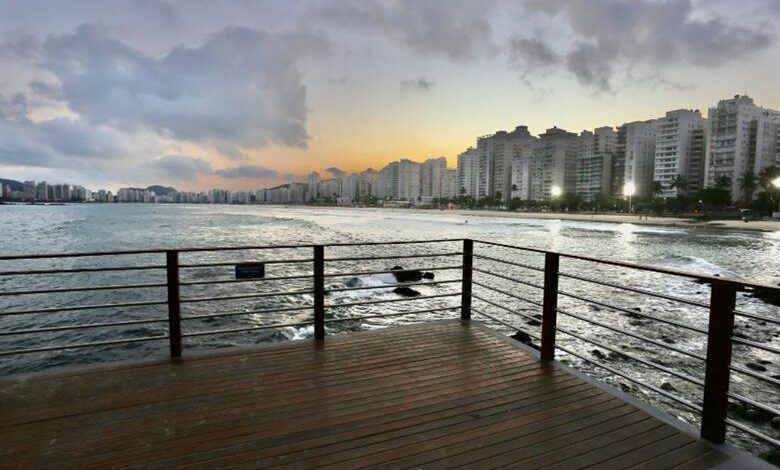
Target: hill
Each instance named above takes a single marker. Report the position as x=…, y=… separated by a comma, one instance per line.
x=15, y=185
x=162, y=190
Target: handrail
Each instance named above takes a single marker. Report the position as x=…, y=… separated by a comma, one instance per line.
x=183, y=323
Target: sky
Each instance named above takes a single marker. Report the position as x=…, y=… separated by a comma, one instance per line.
x=245, y=94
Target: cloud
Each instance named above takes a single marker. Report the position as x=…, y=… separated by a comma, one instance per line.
x=240, y=89
x=248, y=171
x=458, y=30
x=612, y=34
x=180, y=167
x=335, y=172
x=421, y=85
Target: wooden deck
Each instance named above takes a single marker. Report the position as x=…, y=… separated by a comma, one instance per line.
x=433, y=396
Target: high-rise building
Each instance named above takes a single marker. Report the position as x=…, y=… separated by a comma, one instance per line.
x=634, y=157
x=29, y=190
x=449, y=184
x=496, y=154
x=431, y=176
x=400, y=180
x=554, y=164
x=369, y=180
x=313, y=182
x=468, y=168
x=594, y=162
x=674, y=145
x=743, y=138
x=42, y=191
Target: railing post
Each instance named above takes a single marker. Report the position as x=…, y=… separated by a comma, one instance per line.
x=174, y=302
x=723, y=298
x=319, y=292
x=468, y=264
x=550, y=305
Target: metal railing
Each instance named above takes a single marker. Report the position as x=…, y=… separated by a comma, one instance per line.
x=487, y=292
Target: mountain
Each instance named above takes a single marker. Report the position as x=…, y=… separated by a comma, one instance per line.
x=15, y=185
x=162, y=190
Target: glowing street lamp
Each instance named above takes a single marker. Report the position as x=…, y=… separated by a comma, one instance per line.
x=555, y=191
x=628, y=190
x=776, y=182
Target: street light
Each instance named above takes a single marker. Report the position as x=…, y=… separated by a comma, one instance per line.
x=555, y=191
x=776, y=184
x=628, y=190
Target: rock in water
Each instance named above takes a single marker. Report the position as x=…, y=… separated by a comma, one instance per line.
x=524, y=338
x=354, y=282
x=406, y=291
x=406, y=276
x=428, y=276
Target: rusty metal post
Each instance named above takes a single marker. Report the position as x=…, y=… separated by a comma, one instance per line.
x=466, y=285
x=319, y=292
x=723, y=299
x=550, y=305
x=174, y=302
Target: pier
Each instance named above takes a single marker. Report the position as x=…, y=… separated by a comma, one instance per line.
x=445, y=393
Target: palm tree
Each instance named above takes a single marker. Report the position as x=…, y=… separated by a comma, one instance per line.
x=680, y=183
x=723, y=182
x=657, y=188
x=748, y=184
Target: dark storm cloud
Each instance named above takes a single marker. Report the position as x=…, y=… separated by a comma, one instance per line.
x=241, y=87
x=610, y=33
x=180, y=167
x=457, y=29
x=335, y=172
x=421, y=85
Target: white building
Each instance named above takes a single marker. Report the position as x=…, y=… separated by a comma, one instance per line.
x=368, y=184
x=521, y=178
x=496, y=154
x=449, y=184
x=554, y=164
x=431, y=176
x=634, y=158
x=400, y=180
x=468, y=168
x=674, y=145
x=594, y=162
x=742, y=138
x=313, y=182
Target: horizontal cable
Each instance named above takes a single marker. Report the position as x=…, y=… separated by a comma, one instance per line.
x=750, y=373
x=82, y=270
x=740, y=313
x=631, y=379
x=231, y=281
x=233, y=263
x=397, y=314
x=367, y=273
x=405, y=299
x=527, y=317
x=754, y=403
x=368, y=258
x=249, y=328
x=652, y=364
x=391, y=286
x=514, y=296
x=636, y=290
x=633, y=335
x=501, y=322
x=246, y=296
x=82, y=307
x=753, y=432
x=246, y=312
x=513, y=263
x=81, y=327
x=513, y=247
x=511, y=279
x=632, y=312
x=84, y=345
x=82, y=289
x=410, y=242
x=753, y=344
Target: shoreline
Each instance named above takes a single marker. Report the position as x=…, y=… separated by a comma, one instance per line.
x=674, y=222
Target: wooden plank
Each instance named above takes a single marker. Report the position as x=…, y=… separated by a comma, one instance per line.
x=441, y=395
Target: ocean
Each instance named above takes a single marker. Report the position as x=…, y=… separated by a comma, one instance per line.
x=105, y=227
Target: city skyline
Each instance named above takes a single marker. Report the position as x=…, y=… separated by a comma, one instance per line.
x=198, y=96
